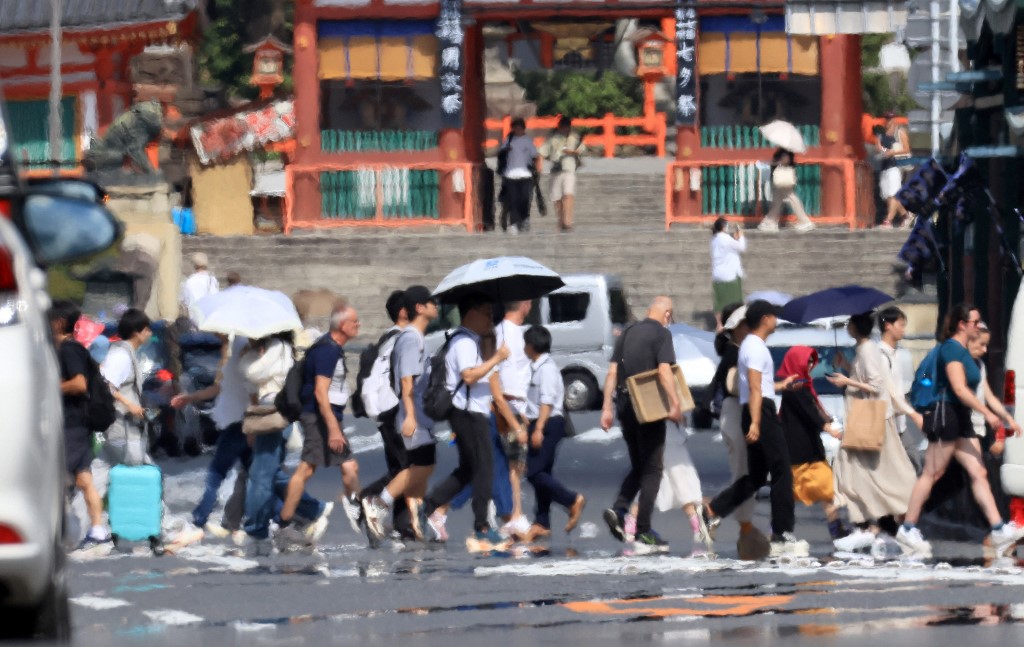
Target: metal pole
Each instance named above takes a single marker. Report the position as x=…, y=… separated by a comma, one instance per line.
x=936, y=53
x=954, y=35
x=56, y=151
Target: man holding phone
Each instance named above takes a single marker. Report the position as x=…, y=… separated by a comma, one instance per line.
x=767, y=452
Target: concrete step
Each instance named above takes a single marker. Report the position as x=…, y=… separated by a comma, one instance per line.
x=365, y=265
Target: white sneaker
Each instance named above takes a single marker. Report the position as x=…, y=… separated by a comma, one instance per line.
x=492, y=515
x=789, y=545
x=287, y=539
x=512, y=229
x=374, y=513
x=238, y=538
x=856, y=541
x=316, y=529
x=1006, y=538
x=216, y=530
x=804, y=227
x=436, y=523
x=768, y=225
x=352, y=510
x=913, y=543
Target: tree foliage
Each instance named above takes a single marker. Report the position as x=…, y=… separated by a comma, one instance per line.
x=582, y=94
x=233, y=24
x=879, y=93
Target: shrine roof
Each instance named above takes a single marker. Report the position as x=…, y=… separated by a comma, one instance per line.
x=30, y=16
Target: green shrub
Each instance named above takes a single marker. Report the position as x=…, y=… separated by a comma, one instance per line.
x=583, y=94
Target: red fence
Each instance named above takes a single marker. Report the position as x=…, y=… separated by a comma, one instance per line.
x=607, y=139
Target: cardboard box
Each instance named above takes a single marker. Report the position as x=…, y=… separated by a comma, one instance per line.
x=650, y=402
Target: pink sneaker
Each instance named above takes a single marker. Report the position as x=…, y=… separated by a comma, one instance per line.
x=630, y=527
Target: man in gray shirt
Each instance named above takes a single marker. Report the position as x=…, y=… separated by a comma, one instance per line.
x=517, y=181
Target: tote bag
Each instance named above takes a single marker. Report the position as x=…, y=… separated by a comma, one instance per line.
x=865, y=424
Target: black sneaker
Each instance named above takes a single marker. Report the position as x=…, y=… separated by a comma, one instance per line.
x=650, y=542
x=615, y=521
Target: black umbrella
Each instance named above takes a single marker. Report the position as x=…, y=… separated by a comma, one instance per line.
x=834, y=302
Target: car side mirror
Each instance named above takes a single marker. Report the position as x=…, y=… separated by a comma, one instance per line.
x=60, y=229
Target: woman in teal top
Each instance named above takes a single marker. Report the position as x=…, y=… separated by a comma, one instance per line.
x=950, y=433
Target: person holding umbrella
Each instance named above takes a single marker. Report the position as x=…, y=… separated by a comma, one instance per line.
x=466, y=379
x=783, y=179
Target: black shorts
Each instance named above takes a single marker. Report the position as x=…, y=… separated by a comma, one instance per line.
x=78, y=452
x=948, y=422
x=422, y=456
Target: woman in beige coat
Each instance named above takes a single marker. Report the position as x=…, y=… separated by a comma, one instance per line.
x=872, y=484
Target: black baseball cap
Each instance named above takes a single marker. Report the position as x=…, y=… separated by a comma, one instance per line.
x=417, y=295
x=758, y=310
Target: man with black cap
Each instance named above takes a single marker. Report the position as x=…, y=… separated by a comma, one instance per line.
x=767, y=452
x=394, y=448
x=415, y=429
x=643, y=346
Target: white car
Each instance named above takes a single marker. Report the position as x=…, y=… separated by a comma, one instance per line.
x=35, y=229
x=1012, y=470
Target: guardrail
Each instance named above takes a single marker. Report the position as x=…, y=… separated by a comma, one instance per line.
x=359, y=194
x=654, y=125
x=739, y=190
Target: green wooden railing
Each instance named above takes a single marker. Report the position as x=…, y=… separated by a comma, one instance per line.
x=350, y=141
x=30, y=132
x=749, y=136
x=353, y=195
x=734, y=190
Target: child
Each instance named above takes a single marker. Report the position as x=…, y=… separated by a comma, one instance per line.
x=803, y=419
x=680, y=487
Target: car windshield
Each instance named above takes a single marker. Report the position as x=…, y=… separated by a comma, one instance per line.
x=828, y=356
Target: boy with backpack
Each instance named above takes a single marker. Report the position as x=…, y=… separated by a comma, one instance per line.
x=410, y=379
x=78, y=372
x=464, y=399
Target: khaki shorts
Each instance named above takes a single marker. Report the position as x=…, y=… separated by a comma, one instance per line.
x=813, y=483
x=562, y=184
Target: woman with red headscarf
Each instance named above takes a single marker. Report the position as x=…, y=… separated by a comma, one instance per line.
x=803, y=419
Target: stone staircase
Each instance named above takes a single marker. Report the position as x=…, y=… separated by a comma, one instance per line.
x=366, y=265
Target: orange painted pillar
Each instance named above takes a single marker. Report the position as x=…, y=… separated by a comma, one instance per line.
x=305, y=73
x=841, y=109
x=687, y=203
x=105, y=93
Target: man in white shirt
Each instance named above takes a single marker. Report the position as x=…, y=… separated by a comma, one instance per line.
x=508, y=421
x=892, y=322
x=767, y=452
x=466, y=378
x=200, y=284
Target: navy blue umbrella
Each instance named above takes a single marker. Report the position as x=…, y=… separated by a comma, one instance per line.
x=834, y=302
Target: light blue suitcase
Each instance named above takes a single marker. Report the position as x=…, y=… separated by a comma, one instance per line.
x=135, y=504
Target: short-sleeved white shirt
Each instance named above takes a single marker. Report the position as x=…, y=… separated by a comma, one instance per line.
x=514, y=371
x=117, y=366
x=464, y=353
x=546, y=387
x=230, y=404
x=754, y=354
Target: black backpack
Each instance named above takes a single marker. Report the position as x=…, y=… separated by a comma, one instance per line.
x=99, y=412
x=289, y=399
x=366, y=360
x=437, y=399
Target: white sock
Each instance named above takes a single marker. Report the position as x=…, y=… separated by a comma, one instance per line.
x=386, y=497
x=98, y=532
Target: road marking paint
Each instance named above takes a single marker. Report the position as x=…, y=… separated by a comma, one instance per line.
x=717, y=606
x=99, y=603
x=598, y=436
x=172, y=617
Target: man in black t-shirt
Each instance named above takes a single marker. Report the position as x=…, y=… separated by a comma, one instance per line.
x=75, y=365
x=643, y=346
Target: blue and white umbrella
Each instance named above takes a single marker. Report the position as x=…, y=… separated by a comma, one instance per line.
x=502, y=279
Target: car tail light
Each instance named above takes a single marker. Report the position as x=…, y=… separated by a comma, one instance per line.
x=9, y=535
x=5, y=209
x=1010, y=388
x=8, y=282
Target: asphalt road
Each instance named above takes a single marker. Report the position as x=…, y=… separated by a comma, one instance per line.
x=583, y=590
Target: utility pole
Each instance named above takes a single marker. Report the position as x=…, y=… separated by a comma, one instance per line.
x=936, y=51
x=56, y=150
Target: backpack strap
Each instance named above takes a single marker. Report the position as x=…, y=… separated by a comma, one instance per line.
x=447, y=344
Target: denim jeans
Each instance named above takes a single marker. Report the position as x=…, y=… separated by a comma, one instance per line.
x=231, y=448
x=268, y=486
x=501, y=485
